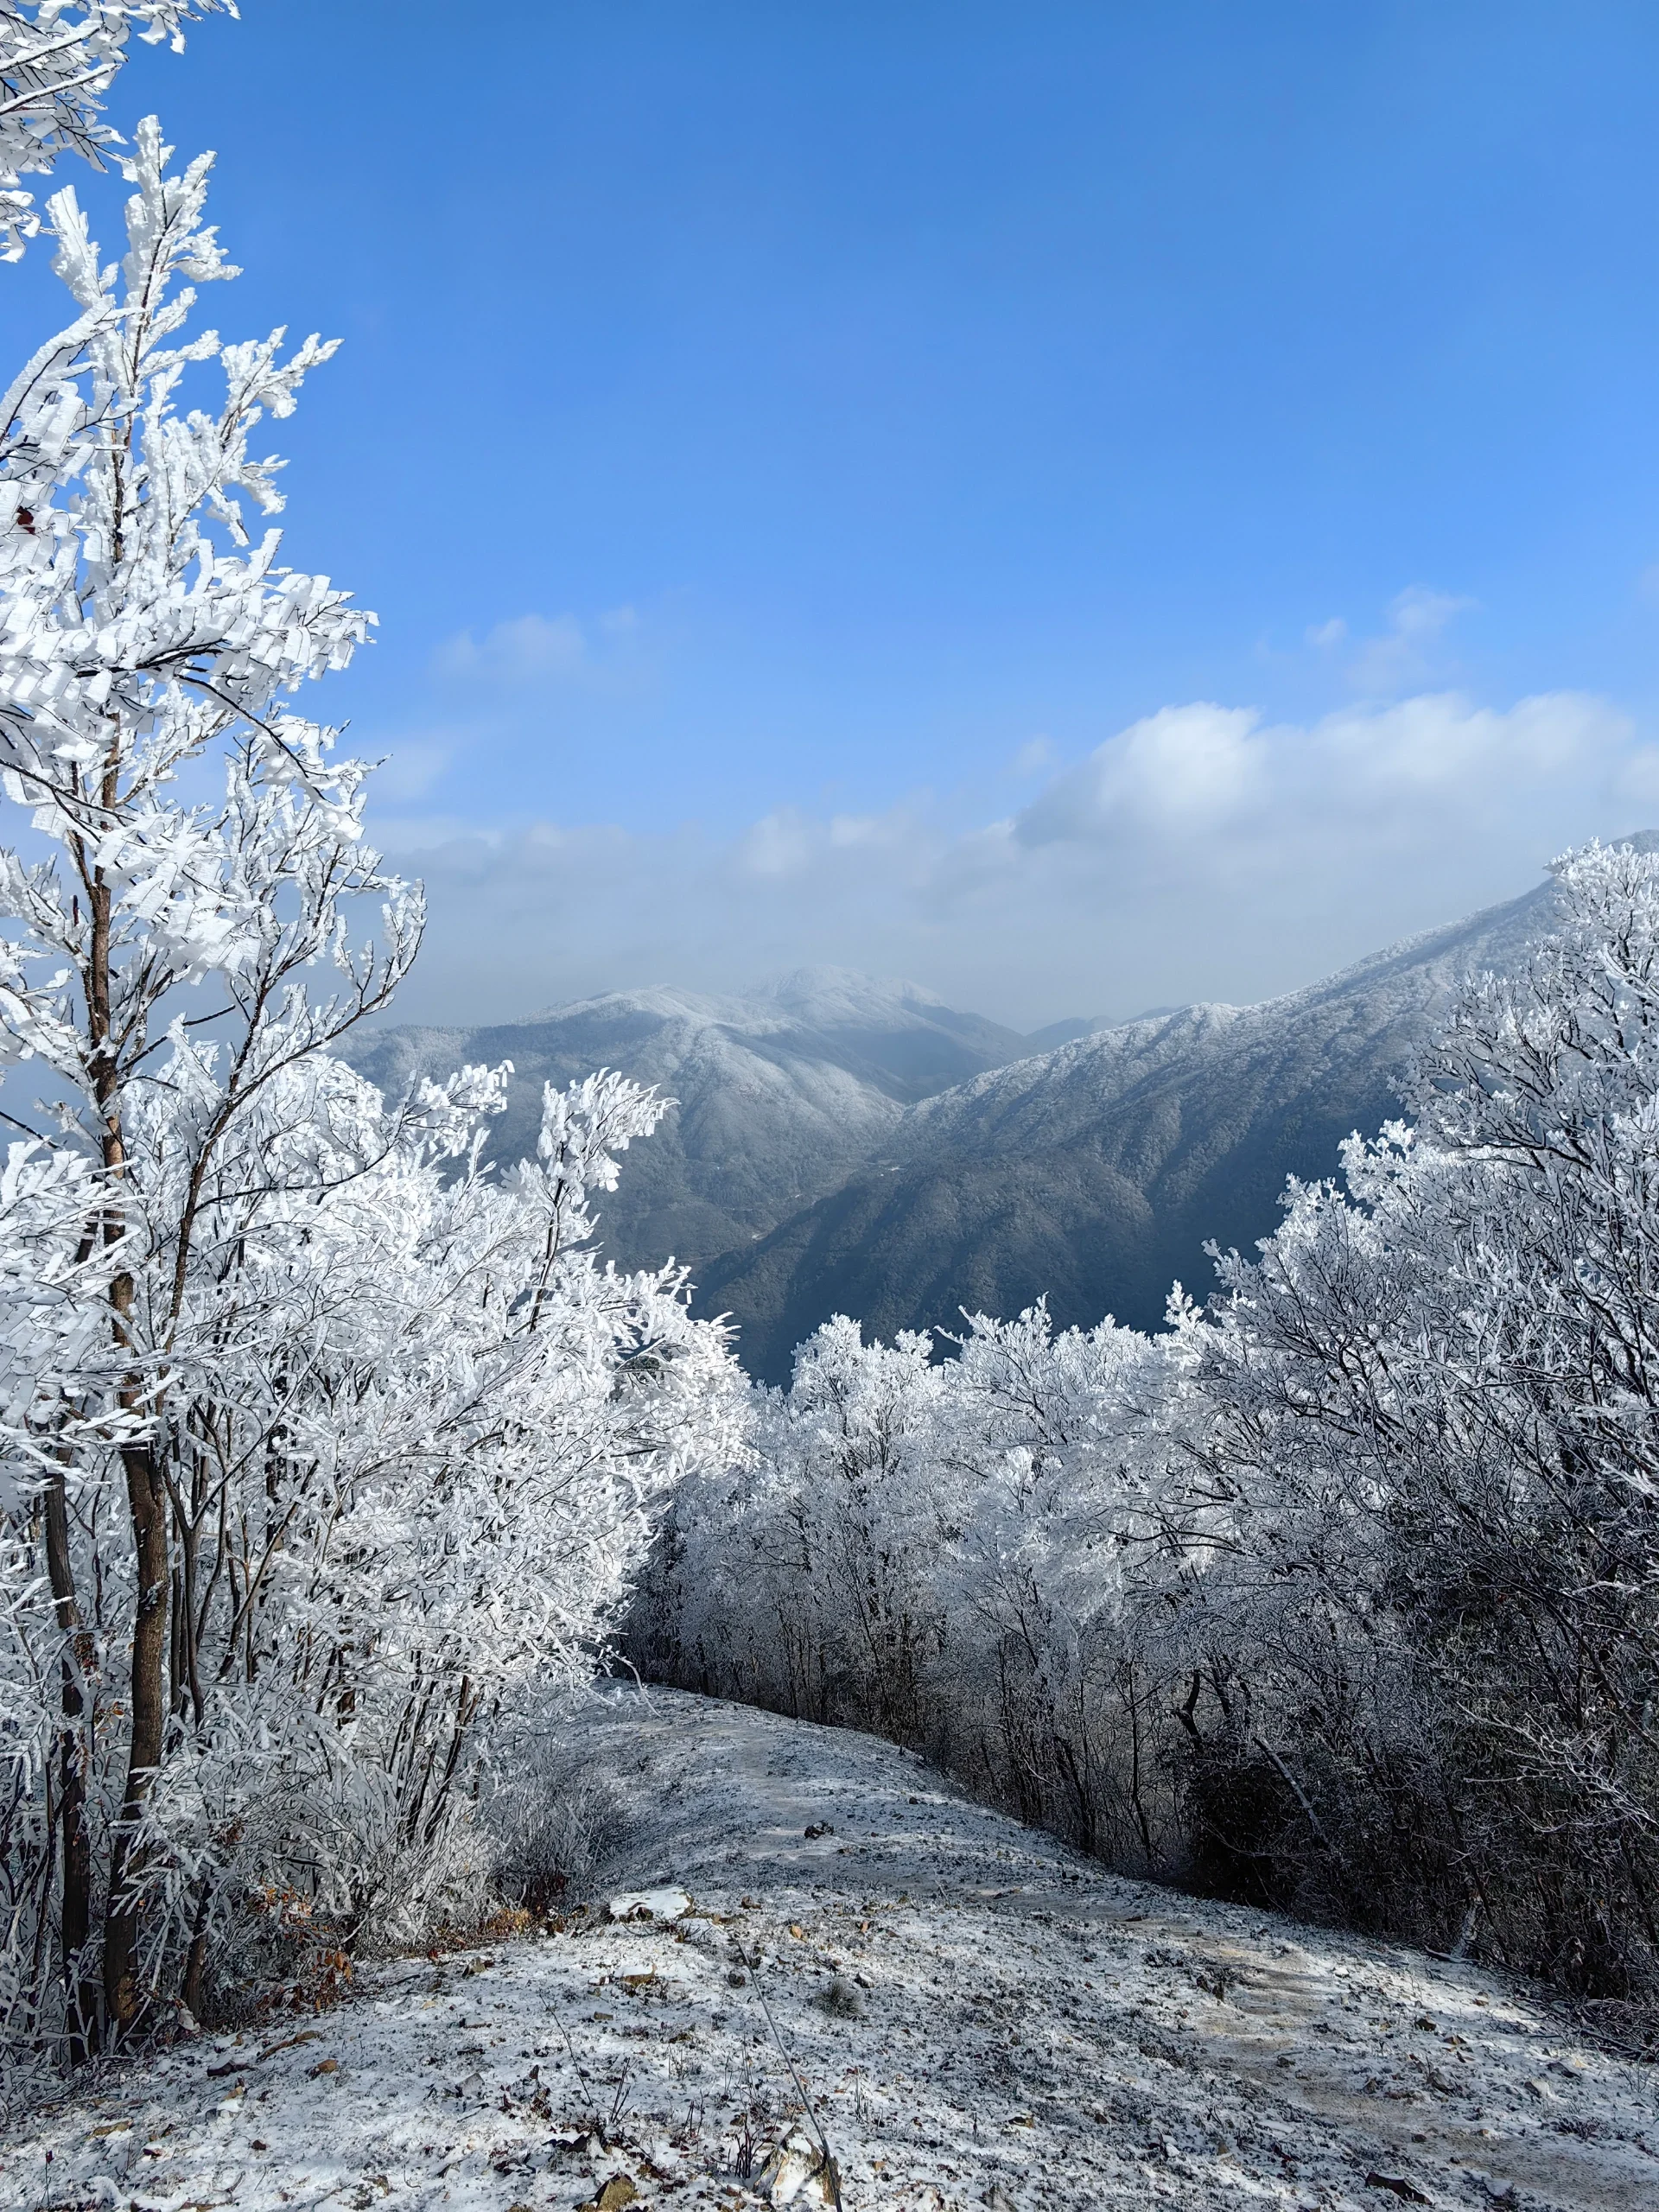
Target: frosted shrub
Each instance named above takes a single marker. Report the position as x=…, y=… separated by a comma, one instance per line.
x=973, y=1556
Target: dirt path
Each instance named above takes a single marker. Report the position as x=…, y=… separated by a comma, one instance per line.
x=978, y=2017
x=1437, y=2075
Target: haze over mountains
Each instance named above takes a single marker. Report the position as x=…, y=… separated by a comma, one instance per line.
x=844, y=1144
x=782, y=1094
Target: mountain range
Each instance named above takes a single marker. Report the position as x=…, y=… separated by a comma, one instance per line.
x=781, y=1096
x=846, y=1144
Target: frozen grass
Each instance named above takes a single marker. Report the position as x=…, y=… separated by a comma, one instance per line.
x=977, y=2016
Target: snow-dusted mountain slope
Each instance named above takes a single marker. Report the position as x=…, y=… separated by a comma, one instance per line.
x=1094, y=1173
x=977, y=2016
x=782, y=1094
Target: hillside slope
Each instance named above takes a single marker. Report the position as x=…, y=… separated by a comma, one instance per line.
x=979, y=2017
x=1094, y=1173
x=782, y=1095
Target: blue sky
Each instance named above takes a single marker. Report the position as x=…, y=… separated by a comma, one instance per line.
x=1086, y=506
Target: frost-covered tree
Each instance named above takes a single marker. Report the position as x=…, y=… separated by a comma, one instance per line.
x=1438, y=1399
x=801, y=1576
x=1072, y=1529
x=321, y=1443
x=138, y=641
x=57, y=59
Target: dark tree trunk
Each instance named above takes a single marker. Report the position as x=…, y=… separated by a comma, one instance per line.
x=147, y=1504
x=75, y=1913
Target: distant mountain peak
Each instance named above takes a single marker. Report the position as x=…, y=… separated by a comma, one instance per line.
x=665, y=1001
x=780, y=1095
x=845, y=997
x=850, y=1142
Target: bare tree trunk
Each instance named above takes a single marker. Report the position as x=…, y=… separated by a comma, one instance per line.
x=146, y=1490
x=1135, y=1798
x=195, y=1965
x=75, y=1911
x=147, y=1507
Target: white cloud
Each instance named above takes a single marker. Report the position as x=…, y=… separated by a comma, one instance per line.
x=1441, y=740
x=791, y=846
x=1180, y=768
x=1418, y=613
x=1200, y=853
x=867, y=831
x=1322, y=636
x=1033, y=756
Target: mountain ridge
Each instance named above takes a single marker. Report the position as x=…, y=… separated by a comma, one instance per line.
x=842, y=1142
x=1093, y=1174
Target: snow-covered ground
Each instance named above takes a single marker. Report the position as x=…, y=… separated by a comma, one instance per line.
x=976, y=2015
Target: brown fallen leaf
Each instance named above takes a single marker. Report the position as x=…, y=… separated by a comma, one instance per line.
x=325, y=2066
x=292, y=2042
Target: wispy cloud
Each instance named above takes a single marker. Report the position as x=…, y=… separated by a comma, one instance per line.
x=777, y=846
x=1409, y=651
x=411, y=768
x=529, y=648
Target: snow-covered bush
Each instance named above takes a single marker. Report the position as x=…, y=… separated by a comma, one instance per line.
x=550, y=1817
x=975, y=1556
x=809, y=1574
x=322, y=1449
